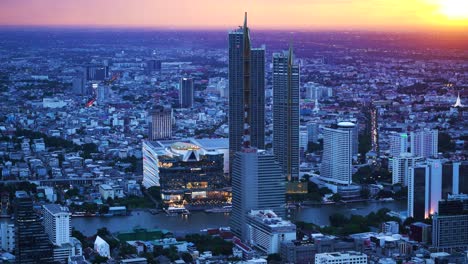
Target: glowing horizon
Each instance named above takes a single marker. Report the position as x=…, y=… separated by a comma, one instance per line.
x=400, y=15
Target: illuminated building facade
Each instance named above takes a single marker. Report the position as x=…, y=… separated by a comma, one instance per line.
x=187, y=170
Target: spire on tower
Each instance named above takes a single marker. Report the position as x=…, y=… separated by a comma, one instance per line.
x=458, y=102
x=245, y=20
x=291, y=53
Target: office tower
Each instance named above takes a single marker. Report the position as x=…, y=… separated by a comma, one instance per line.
x=424, y=143
x=160, y=123
x=96, y=73
x=401, y=165
x=354, y=128
x=336, y=164
x=257, y=184
x=246, y=92
x=266, y=231
x=348, y=257
x=398, y=144
x=450, y=225
x=303, y=139
x=102, y=94
x=57, y=223
x=313, y=132
x=434, y=180
x=286, y=113
x=32, y=243
x=186, y=93
x=424, y=189
x=153, y=66
x=454, y=178
x=78, y=86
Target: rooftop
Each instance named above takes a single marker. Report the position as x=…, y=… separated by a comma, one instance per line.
x=55, y=208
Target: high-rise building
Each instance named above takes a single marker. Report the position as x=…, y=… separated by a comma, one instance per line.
x=349, y=257
x=354, y=128
x=78, y=86
x=32, y=243
x=160, y=123
x=401, y=165
x=57, y=223
x=424, y=143
x=102, y=94
x=398, y=144
x=246, y=92
x=337, y=155
x=286, y=113
x=313, y=132
x=454, y=178
x=7, y=237
x=431, y=181
x=257, y=184
x=186, y=93
x=96, y=73
x=153, y=65
x=450, y=224
x=424, y=189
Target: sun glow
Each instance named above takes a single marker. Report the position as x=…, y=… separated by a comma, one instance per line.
x=454, y=9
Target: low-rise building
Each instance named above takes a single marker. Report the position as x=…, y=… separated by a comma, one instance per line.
x=266, y=231
x=349, y=257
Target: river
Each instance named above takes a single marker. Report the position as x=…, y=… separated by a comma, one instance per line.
x=318, y=214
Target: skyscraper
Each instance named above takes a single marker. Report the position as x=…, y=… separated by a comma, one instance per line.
x=57, y=223
x=431, y=181
x=337, y=156
x=354, y=128
x=96, y=73
x=286, y=113
x=398, y=144
x=160, y=123
x=424, y=189
x=186, y=93
x=257, y=183
x=32, y=243
x=450, y=225
x=424, y=143
x=401, y=166
x=246, y=92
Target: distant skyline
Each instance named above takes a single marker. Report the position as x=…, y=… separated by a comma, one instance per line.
x=385, y=15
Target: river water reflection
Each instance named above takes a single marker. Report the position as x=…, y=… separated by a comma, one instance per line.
x=199, y=220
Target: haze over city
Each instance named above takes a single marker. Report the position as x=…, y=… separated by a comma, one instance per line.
x=386, y=15
x=233, y=132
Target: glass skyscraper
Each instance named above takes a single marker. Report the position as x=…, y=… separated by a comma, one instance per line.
x=246, y=92
x=286, y=113
x=257, y=184
x=32, y=243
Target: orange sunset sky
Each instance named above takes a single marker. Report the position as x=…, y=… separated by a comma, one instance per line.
x=406, y=15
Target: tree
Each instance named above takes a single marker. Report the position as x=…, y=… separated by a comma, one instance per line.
x=126, y=249
x=103, y=232
x=274, y=258
x=98, y=259
x=336, y=197
x=187, y=257
x=445, y=143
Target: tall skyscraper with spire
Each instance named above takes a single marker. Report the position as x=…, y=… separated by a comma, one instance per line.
x=286, y=113
x=246, y=92
x=257, y=180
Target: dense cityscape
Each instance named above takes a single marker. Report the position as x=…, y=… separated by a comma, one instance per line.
x=247, y=146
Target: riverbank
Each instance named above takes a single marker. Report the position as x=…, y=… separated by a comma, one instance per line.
x=196, y=221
